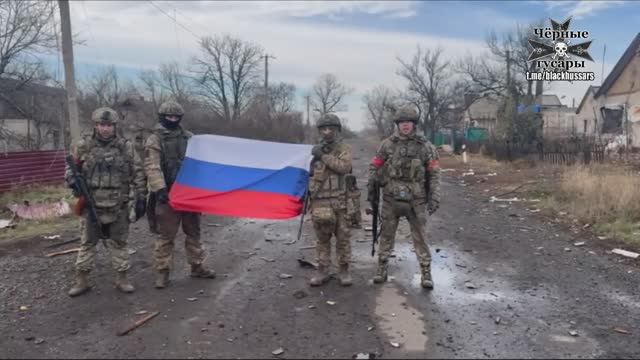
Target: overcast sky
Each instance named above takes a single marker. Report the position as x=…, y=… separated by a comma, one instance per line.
x=357, y=41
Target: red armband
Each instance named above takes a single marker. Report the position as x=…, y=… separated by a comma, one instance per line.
x=377, y=162
x=433, y=165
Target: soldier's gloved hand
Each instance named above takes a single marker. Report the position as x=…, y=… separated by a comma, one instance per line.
x=141, y=207
x=162, y=196
x=317, y=151
x=432, y=206
x=75, y=189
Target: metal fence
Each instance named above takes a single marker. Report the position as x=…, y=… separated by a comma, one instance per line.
x=23, y=168
x=561, y=153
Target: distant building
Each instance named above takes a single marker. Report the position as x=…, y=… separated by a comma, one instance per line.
x=31, y=116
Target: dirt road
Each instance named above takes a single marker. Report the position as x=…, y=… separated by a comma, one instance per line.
x=506, y=285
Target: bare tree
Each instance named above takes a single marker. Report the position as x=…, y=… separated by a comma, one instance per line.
x=282, y=97
x=150, y=84
x=226, y=73
x=176, y=83
x=430, y=82
x=329, y=94
x=26, y=30
x=487, y=75
x=380, y=102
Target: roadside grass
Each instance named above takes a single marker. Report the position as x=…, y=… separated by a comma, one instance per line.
x=25, y=229
x=605, y=196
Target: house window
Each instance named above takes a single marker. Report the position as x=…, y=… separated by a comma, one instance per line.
x=585, y=126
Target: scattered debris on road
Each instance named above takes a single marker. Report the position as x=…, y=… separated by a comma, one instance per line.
x=267, y=259
x=24, y=308
x=5, y=223
x=192, y=299
x=580, y=243
x=394, y=344
x=300, y=294
x=141, y=312
x=470, y=285
x=278, y=351
x=573, y=333
x=370, y=328
x=495, y=199
x=621, y=330
x=307, y=264
x=629, y=254
x=308, y=247
x=329, y=302
x=138, y=323
x=38, y=341
x=55, y=245
x=497, y=320
x=286, y=276
x=363, y=356
x=63, y=252
x=52, y=237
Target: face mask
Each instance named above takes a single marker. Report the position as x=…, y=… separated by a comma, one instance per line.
x=169, y=124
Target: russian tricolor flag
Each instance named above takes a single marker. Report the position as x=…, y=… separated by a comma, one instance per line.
x=231, y=176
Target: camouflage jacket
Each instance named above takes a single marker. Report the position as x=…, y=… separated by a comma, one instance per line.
x=327, y=179
x=164, y=151
x=113, y=171
x=407, y=167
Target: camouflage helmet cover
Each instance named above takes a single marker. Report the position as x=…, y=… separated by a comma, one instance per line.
x=105, y=115
x=329, y=120
x=405, y=113
x=171, y=107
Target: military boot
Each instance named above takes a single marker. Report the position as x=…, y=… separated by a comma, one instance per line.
x=344, y=277
x=199, y=271
x=162, y=279
x=321, y=277
x=123, y=284
x=426, y=282
x=82, y=284
x=381, y=273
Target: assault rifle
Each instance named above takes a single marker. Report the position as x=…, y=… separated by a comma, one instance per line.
x=85, y=199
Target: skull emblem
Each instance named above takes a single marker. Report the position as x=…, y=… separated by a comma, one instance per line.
x=561, y=50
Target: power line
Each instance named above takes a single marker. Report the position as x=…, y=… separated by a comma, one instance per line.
x=186, y=17
x=174, y=20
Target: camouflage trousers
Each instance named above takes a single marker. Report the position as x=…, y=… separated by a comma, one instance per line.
x=415, y=212
x=328, y=222
x=168, y=224
x=117, y=233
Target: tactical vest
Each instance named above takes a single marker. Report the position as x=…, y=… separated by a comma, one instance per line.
x=107, y=170
x=173, y=147
x=325, y=183
x=405, y=169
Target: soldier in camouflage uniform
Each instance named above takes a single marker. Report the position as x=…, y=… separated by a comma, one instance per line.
x=407, y=169
x=329, y=194
x=115, y=179
x=164, y=152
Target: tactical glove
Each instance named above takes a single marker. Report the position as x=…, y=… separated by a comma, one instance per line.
x=75, y=189
x=162, y=196
x=141, y=207
x=317, y=151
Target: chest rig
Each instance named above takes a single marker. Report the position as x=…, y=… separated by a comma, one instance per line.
x=107, y=168
x=405, y=169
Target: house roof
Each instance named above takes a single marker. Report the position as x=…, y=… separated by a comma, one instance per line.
x=591, y=89
x=547, y=100
x=622, y=63
x=483, y=108
x=14, y=86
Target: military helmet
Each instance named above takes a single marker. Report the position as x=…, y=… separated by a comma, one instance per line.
x=105, y=115
x=171, y=107
x=405, y=113
x=329, y=120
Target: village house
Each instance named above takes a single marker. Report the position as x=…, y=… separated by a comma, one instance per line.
x=613, y=109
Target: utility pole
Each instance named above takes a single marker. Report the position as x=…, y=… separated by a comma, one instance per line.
x=69, y=78
x=308, y=127
x=266, y=71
